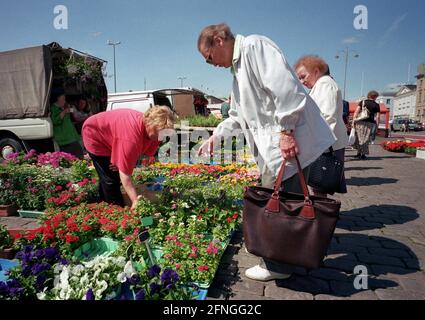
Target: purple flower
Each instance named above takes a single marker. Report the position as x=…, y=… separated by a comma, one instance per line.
x=4, y=289
x=16, y=292
x=154, y=271
x=140, y=295
x=135, y=279
x=154, y=288
x=51, y=253
x=39, y=282
x=90, y=295
x=39, y=254
x=169, y=276
x=39, y=268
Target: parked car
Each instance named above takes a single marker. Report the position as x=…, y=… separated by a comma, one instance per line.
x=404, y=125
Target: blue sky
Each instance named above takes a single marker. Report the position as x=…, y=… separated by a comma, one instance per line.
x=158, y=37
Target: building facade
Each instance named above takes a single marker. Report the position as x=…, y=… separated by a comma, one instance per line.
x=405, y=102
x=387, y=98
x=420, y=98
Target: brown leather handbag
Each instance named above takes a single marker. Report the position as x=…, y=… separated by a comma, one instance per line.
x=290, y=228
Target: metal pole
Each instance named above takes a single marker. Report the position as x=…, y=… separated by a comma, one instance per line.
x=115, y=71
x=345, y=73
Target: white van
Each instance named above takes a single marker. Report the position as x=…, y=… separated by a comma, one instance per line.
x=179, y=100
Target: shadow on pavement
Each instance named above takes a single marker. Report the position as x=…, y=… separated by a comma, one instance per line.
x=362, y=168
x=376, y=217
x=381, y=256
x=369, y=181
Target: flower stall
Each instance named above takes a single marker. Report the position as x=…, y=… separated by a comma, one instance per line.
x=165, y=249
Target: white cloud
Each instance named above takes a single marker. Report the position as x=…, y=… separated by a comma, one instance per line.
x=351, y=40
x=393, y=28
x=96, y=34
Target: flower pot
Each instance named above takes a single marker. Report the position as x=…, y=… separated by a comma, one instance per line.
x=7, y=210
x=30, y=214
x=8, y=253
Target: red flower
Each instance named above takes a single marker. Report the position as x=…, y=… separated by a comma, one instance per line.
x=229, y=220
x=203, y=268
x=58, y=188
x=193, y=255
x=178, y=266
x=70, y=238
x=86, y=227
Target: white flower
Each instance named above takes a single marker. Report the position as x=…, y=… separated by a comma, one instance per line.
x=193, y=217
x=121, y=277
x=84, y=280
x=42, y=295
x=129, y=269
x=102, y=286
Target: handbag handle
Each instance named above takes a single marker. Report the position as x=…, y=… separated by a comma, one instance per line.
x=274, y=203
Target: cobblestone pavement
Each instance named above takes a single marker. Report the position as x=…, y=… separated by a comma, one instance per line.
x=382, y=227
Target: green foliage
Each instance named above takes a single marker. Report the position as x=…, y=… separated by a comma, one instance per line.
x=6, y=241
x=201, y=121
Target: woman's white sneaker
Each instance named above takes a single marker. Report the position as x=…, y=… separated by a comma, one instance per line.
x=261, y=274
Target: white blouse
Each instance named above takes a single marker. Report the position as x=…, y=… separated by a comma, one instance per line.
x=267, y=97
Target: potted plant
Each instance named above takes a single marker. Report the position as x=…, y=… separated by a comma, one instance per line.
x=6, y=243
x=8, y=193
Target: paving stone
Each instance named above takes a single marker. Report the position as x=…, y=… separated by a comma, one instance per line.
x=391, y=271
x=342, y=264
x=364, y=295
x=398, y=253
x=399, y=294
x=328, y=297
x=275, y=292
x=347, y=256
x=246, y=260
x=243, y=295
x=363, y=242
x=379, y=259
x=305, y=284
x=248, y=285
x=392, y=244
x=330, y=274
x=413, y=285
x=380, y=220
x=347, y=249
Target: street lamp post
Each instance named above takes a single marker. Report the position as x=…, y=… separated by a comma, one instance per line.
x=181, y=81
x=347, y=54
x=111, y=43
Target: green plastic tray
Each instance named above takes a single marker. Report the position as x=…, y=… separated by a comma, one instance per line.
x=96, y=247
x=30, y=214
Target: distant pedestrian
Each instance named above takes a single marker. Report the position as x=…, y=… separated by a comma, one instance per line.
x=365, y=127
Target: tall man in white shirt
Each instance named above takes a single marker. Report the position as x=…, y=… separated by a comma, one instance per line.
x=278, y=118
